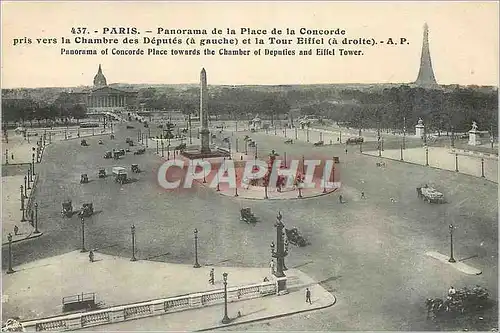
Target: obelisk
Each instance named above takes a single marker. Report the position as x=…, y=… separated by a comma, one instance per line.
x=204, y=132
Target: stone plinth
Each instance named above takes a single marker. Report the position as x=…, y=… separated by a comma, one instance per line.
x=474, y=138
x=419, y=130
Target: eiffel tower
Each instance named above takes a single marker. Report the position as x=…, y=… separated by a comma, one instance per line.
x=426, y=73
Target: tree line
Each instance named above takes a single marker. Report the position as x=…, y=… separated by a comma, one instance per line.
x=441, y=109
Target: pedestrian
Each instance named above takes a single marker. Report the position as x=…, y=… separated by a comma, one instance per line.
x=211, y=279
x=271, y=267
x=340, y=198
x=346, y=151
x=452, y=291
x=363, y=195
x=308, y=296
x=91, y=256
x=16, y=230
x=12, y=156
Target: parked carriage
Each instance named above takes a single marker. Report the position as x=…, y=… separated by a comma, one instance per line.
x=120, y=174
x=116, y=155
x=430, y=194
x=100, y=142
x=247, y=215
x=67, y=208
x=140, y=151
x=102, y=173
x=84, y=143
x=135, y=168
x=354, y=141
x=319, y=143
x=86, y=210
x=289, y=141
x=84, y=179
x=108, y=155
x=294, y=237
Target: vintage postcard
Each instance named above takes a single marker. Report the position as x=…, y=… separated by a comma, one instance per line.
x=250, y=166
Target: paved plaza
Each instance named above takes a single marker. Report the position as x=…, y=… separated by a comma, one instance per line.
x=361, y=251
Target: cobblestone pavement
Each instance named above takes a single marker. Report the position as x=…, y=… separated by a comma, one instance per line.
x=370, y=253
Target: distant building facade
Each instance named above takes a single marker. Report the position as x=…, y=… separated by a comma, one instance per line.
x=103, y=97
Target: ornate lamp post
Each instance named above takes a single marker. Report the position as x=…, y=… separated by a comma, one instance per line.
x=426, y=156
x=401, y=153
x=196, y=264
x=10, y=270
x=379, y=147
x=28, y=176
x=229, y=147
x=274, y=129
x=307, y=134
x=83, y=236
x=452, y=260
x=132, y=229
x=284, y=158
x=320, y=136
x=456, y=162
x=6, y=156
x=256, y=151
x=157, y=147
x=280, y=253
x=33, y=163
x=226, y=319
x=285, y=131
x=340, y=136
x=23, y=218
x=404, y=132
x=482, y=167
x=236, y=186
x=162, y=148
x=25, y=186
x=36, y=219
x=296, y=133
x=246, y=147
x=168, y=150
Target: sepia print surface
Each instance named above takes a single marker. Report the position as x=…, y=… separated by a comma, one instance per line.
x=264, y=166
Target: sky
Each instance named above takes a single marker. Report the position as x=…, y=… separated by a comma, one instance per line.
x=463, y=38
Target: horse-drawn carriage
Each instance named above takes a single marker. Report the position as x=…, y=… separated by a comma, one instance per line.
x=140, y=151
x=380, y=164
x=247, y=215
x=289, y=141
x=462, y=302
x=135, y=168
x=102, y=173
x=116, y=155
x=354, y=141
x=84, y=179
x=295, y=238
x=108, y=155
x=120, y=174
x=67, y=208
x=319, y=143
x=86, y=210
x=100, y=142
x=83, y=142
x=131, y=143
x=430, y=194
x=251, y=144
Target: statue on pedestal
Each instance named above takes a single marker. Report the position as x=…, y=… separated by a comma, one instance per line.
x=474, y=126
x=420, y=121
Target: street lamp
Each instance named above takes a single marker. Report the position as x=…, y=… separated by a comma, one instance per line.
x=299, y=188
x=157, y=147
x=452, y=260
x=361, y=147
x=236, y=186
x=296, y=133
x=320, y=136
x=36, y=219
x=284, y=158
x=280, y=253
x=10, y=270
x=426, y=156
x=237, y=145
x=25, y=186
x=482, y=167
x=307, y=134
x=401, y=153
x=456, y=162
x=285, y=131
x=6, y=156
x=83, y=236
x=29, y=178
x=196, y=264
x=246, y=147
x=132, y=228
x=33, y=163
x=162, y=148
x=226, y=319
x=22, y=204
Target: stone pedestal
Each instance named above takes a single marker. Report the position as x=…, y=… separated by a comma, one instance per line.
x=474, y=138
x=419, y=130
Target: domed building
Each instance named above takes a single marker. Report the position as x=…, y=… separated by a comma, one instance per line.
x=102, y=97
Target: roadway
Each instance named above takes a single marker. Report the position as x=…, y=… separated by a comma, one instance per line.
x=369, y=253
